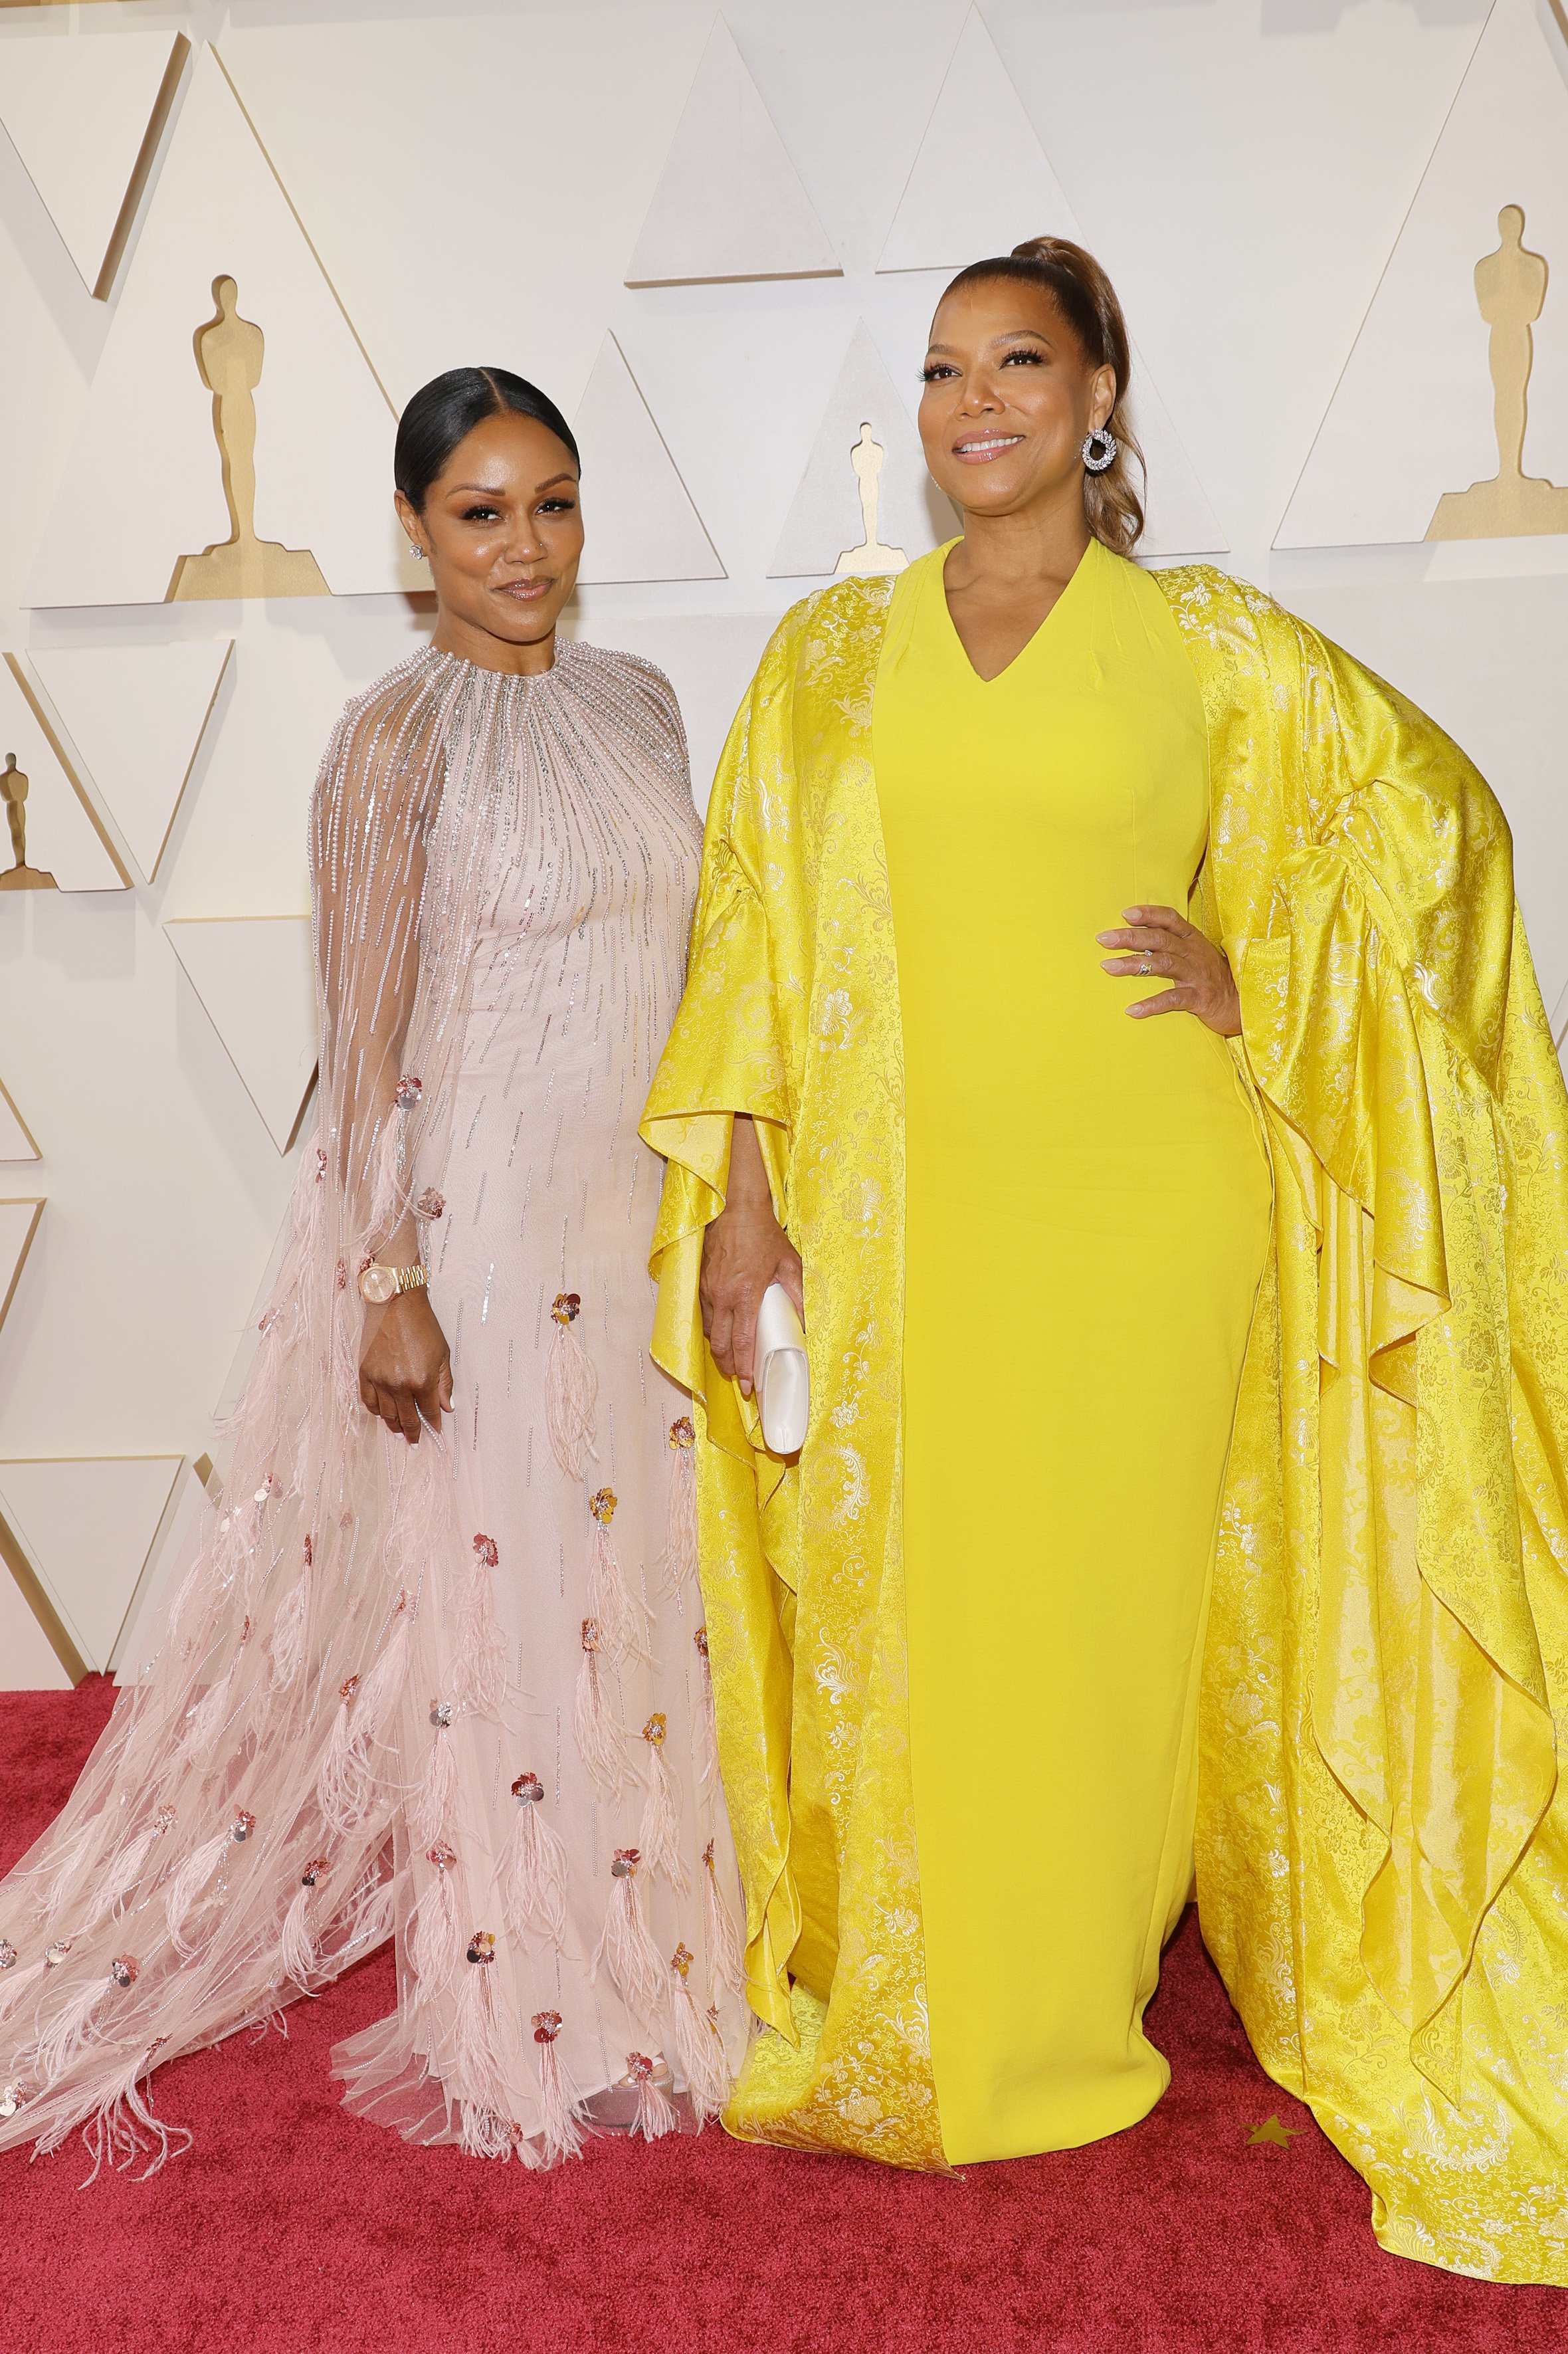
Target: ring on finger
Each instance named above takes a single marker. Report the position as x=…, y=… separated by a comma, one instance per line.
x=1145, y=967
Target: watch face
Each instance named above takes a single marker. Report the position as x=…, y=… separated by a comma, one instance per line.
x=379, y=1284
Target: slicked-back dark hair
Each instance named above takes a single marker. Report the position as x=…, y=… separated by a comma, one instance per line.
x=445, y=411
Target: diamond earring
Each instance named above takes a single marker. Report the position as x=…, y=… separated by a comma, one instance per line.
x=1100, y=448
x=418, y=553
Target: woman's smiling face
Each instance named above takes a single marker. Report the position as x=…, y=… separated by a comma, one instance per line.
x=1009, y=396
x=503, y=526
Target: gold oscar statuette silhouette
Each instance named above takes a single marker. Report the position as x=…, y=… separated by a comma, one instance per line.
x=228, y=351
x=19, y=875
x=867, y=458
x=1510, y=288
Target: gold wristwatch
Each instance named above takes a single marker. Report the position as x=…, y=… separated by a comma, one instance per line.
x=379, y=1284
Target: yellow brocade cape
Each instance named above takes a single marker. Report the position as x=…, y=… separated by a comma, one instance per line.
x=1383, y=1874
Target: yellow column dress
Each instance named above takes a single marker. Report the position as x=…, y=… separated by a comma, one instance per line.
x=1087, y=1215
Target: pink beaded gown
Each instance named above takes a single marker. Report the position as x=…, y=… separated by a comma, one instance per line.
x=455, y=1692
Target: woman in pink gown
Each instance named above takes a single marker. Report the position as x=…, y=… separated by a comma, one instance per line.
x=439, y=1670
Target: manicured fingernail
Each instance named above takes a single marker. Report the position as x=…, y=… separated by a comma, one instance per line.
x=1105, y=940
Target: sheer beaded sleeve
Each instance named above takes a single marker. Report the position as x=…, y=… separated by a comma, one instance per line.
x=375, y=798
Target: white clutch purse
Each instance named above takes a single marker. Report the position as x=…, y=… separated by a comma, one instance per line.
x=783, y=1383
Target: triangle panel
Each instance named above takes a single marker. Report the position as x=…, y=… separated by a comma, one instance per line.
x=980, y=182
x=84, y=114
x=16, y=1141
x=18, y=1225
x=1411, y=423
x=255, y=975
x=136, y=715
x=729, y=203
x=87, y=1526
x=640, y=519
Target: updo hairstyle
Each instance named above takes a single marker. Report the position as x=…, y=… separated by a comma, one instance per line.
x=445, y=411
x=1087, y=299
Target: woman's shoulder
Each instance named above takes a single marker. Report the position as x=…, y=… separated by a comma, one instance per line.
x=829, y=622
x=637, y=693
x=1203, y=592
x=384, y=723
x=630, y=674
x=1231, y=621
x=1209, y=603
x=405, y=682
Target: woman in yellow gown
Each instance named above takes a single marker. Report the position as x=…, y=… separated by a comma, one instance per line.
x=1190, y=1391
x=1057, y=1544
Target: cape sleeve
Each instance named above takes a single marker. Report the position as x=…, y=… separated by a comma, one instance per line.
x=1393, y=1023
x=370, y=818
x=730, y=1051
x=726, y=1052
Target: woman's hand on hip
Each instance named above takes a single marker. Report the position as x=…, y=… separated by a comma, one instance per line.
x=744, y=1250
x=406, y=1370
x=1159, y=941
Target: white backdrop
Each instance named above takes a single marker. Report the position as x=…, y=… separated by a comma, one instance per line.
x=1289, y=199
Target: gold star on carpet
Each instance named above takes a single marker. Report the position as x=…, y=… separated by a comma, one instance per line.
x=1271, y=2130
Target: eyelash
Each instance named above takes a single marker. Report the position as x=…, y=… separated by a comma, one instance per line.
x=934, y=370
x=491, y=514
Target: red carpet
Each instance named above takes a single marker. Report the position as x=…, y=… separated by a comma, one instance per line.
x=291, y=2225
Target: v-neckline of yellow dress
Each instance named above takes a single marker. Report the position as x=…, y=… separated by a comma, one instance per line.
x=938, y=583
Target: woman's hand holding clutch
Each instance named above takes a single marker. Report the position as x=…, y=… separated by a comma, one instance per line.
x=744, y=1250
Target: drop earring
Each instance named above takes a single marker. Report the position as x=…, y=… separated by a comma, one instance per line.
x=1100, y=448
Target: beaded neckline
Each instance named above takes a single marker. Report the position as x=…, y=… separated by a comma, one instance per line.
x=442, y=658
